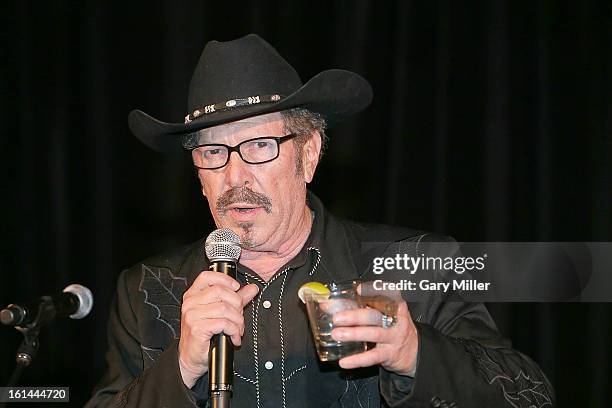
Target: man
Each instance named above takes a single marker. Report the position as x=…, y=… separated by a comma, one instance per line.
x=256, y=135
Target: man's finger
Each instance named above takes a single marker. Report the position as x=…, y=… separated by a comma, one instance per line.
x=371, y=334
x=365, y=359
x=219, y=310
x=213, y=294
x=368, y=289
x=358, y=317
x=403, y=313
x=210, y=278
x=217, y=326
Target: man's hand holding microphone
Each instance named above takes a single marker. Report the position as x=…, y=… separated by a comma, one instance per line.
x=213, y=304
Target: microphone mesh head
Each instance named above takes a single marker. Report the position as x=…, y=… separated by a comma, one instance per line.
x=85, y=299
x=223, y=244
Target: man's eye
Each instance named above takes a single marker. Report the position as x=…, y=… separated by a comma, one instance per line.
x=262, y=144
x=212, y=152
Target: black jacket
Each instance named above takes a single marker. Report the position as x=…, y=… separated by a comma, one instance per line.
x=462, y=359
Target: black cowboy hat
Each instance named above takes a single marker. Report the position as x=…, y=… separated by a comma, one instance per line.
x=247, y=77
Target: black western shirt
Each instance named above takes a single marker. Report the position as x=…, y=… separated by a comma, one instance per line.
x=462, y=359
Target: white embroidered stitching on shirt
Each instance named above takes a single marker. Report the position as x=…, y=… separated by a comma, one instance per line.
x=152, y=353
x=255, y=340
x=344, y=393
x=357, y=393
x=318, y=259
x=257, y=278
x=162, y=291
x=255, y=316
x=242, y=377
x=274, y=278
x=295, y=372
x=418, y=242
x=246, y=278
x=282, y=338
x=255, y=355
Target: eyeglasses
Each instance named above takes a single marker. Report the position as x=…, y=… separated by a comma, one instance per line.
x=253, y=151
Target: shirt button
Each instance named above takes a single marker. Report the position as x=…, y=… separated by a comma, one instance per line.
x=269, y=365
x=267, y=304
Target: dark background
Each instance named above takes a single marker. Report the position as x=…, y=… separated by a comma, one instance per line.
x=491, y=121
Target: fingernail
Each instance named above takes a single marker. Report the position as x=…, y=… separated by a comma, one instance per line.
x=236, y=285
x=337, y=334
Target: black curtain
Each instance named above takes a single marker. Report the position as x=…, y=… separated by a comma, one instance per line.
x=491, y=121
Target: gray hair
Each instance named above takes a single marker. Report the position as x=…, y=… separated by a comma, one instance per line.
x=303, y=123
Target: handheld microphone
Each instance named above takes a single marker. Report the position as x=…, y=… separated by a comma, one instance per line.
x=75, y=302
x=223, y=250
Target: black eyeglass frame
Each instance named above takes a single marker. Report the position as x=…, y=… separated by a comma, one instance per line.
x=278, y=139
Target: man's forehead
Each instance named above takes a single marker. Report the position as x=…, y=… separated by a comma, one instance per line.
x=270, y=122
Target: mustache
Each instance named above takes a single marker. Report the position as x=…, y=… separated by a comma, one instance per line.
x=242, y=195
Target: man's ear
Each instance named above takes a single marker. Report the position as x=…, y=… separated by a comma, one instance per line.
x=310, y=155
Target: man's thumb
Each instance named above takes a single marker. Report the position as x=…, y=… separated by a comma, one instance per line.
x=248, y=292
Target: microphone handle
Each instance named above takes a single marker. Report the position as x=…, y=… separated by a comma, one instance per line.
x=221, y=354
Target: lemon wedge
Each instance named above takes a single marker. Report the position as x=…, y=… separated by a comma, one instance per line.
x=316, y=288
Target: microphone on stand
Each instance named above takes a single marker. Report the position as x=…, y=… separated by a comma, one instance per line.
x=223, y=250
x=75, y=302
x=28, y=318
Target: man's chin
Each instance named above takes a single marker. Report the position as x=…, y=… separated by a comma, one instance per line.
x=245, y=231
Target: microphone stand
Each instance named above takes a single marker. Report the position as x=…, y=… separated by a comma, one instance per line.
x=28, y=348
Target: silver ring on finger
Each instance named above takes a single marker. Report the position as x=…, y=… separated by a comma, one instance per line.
x=387, y=321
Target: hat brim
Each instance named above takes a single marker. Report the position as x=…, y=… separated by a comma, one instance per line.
x=334, y=93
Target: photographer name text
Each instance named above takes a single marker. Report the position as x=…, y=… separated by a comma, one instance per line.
x=427, y=285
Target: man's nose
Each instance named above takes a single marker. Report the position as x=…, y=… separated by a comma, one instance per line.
x=237, y=171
